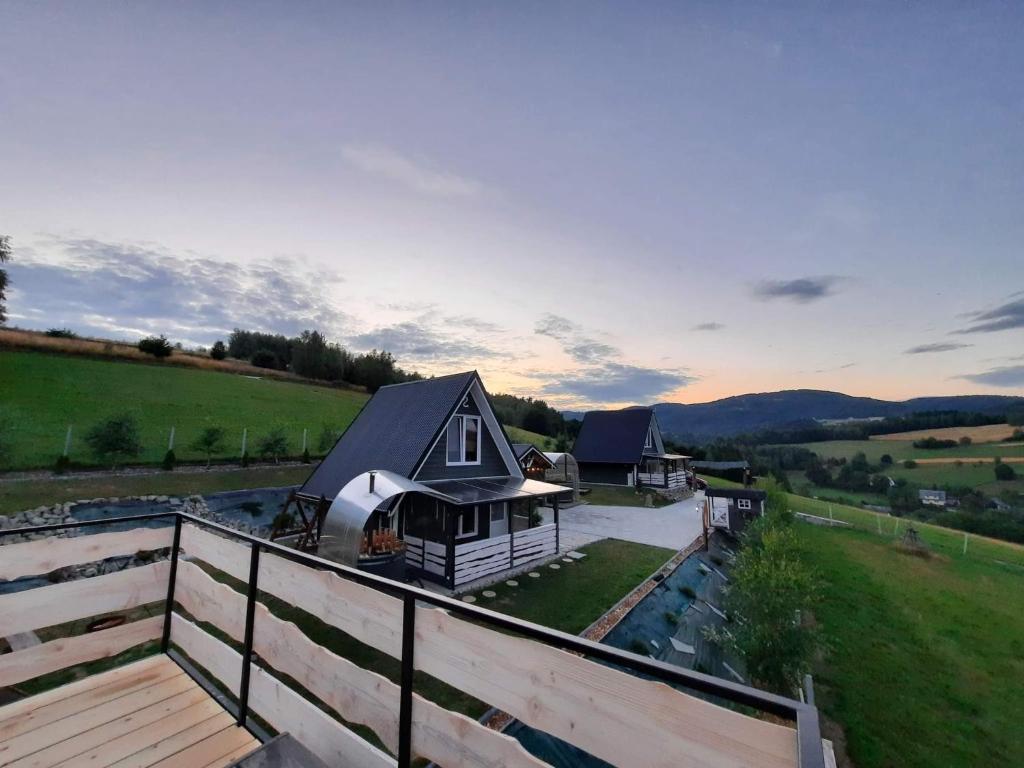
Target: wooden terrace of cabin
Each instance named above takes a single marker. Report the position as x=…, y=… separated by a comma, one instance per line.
x=211, y=669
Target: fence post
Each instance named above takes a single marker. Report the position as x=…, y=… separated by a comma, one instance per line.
x=405, y=694
x=245, y=436
x=170, y=440
x=878, y=519
x=965, y=542
x=830, y=520
x=67, y=442
x=304, y=440
x=250, y=614
x=165, y=640
x=896, y=528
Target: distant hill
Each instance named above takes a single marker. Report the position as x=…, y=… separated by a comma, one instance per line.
x=748, y=413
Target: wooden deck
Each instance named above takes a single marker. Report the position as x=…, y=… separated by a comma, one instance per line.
x=148, y=713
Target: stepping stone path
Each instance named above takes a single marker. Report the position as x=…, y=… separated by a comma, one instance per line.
x=533, y=575
x=469, y=599
x=512, y=583
x=554, y=566
x=489, y=593
x=567, y=560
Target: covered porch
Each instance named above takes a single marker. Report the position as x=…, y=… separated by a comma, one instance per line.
x=663, y=470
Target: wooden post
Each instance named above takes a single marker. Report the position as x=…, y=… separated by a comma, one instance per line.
x=170, y=440
x=557, y=539
x=245, y=437
x=304, y=440
x=511, y=535
x=67, y=442
x=830, y=520
x=449, y=547
x=666, y=475
x=965, y=542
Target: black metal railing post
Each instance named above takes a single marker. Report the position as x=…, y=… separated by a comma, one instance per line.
x=250, y=615
x=405, y=697
x=165, y=640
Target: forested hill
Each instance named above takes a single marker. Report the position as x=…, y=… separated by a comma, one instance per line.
x=771, y=410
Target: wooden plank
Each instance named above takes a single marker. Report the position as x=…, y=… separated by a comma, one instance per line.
x=356, y=694
x=93, y=717
x=228, y=759
x=32, y=558
x=481, y=544
x=216, y=749
x=83, y=598
x=364, y=613
x=177, y=742
x=615, y=716
x=121, y=679
x=19, y=666
x=64, y=748
x=128, y=743
x=284, y=709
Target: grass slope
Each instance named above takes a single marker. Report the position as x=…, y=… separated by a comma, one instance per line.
x=44, y=393
x=904, y=449
x=925, y=656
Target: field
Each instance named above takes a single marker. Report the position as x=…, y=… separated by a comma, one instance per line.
x=990, y=433
x=924, y=656
x=904, y=449
x=45, y=393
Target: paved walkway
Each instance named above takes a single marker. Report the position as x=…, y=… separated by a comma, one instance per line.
x=674, y=526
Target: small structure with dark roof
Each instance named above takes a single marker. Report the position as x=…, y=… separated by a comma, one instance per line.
x=932, y=497
x=730, y=509
x=626, y=448
x=450, y=492
x=532, y=460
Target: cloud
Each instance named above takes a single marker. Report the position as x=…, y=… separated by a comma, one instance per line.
x=802, y=290
x=128, y=290
x=416, y=343
x=707, y=327
x=1007, y=376
x=418, y=176
x=1002, y=318
x=576, y=343
x=922, y=349
x=615, y=383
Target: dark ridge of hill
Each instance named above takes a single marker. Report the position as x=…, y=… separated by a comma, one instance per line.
x=793, y=407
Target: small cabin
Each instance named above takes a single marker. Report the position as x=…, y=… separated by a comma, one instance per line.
x=532, y=461
x=730, y=509
x=428, y=472
x=626, y=448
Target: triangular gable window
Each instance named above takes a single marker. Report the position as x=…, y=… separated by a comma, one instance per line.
x=463, y=440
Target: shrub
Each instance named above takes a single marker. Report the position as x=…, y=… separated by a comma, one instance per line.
x=116, y=438
x=157, y=346
x=218, y=351
x=273, y=445
x=61, y=333
x=671, y=618
x=1004, y=471
x=210, y=442
x=885, y=459
x=965, y=440
x=169, y=460
x=305, y=456
x=636, y=645
x=688, y=591
x=932, y=443
x=264, y=358
x=328, y=437
x=62, y=465
x=909, y=464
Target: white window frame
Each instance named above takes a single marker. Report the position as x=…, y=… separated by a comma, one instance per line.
x=649, y=442
x=459, y=532
x=463, y=419
x=743, y=504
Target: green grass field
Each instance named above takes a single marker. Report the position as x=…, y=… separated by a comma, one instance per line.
x=904, y=449
x=44, y=393
x=925, y=656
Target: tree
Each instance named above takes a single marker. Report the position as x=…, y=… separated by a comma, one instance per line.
x=116, y=438
x=157, y=346
x=218, y=351
x=1004, y=471
x=210, y=442
x=885, y=459
x=374, y=369
x=902, y=497
x=5, y=256
x=328, y=437
x=274, y=445
x=265, y=358
x=770, y=593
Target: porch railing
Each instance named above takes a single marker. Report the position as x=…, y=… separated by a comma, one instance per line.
x=610, y=703
x=662, y=479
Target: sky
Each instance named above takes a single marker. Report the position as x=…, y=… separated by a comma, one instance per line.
x=594, y=204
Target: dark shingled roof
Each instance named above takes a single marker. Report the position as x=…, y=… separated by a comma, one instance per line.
x=521, y=448
x=613, y=437
x=393, y=431
x=753, y=494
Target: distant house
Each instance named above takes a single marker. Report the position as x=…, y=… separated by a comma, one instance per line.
x=626, y=448
x=428, y=464
x=532, y=461
x=730, y=509
x=931, y=497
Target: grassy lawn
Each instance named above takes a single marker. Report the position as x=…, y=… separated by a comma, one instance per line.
x=576, y=595
x=925, y=656
x=904, y=449
x=621, y=496
x=16, y=495
x=519, y=435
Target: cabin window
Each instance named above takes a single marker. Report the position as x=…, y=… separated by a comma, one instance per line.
x=497, y=512
x=464, y=440
x=743, y=503
x=467, y=523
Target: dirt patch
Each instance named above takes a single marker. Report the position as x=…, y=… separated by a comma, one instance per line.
x=990, y=433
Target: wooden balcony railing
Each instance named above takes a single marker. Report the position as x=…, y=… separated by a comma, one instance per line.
x=622, y=708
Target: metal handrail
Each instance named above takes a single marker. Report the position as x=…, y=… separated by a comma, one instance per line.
x=805, y=715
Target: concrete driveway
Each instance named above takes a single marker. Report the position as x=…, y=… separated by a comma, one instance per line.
x=674, y=526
